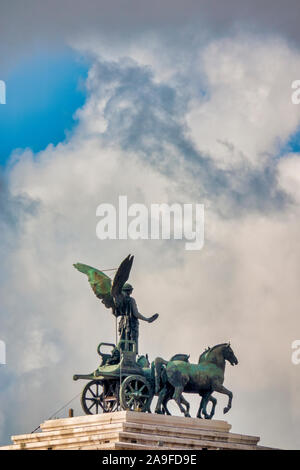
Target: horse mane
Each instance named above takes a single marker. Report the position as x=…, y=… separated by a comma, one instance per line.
x=217, y=345
x=203, y=353
x=209, y=350
x=180, y=357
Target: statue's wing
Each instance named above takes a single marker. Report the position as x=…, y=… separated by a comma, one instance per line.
x=100, y=283
x=120, y=278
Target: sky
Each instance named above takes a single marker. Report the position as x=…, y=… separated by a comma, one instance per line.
x=163, y=102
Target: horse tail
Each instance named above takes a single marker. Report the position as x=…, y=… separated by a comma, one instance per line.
x=159, y=364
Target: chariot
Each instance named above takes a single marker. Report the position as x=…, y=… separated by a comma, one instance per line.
x=122, y=381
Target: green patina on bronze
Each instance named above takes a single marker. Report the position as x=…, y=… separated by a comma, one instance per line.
x=203, y=378
x=127, y=381
x=116, y=295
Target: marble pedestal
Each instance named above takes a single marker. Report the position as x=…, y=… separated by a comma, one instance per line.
x=133, y=430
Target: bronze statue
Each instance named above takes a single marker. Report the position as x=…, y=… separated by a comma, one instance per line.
x=165, y=390
x=117, y=296
x=203, y=378
x=125, y=381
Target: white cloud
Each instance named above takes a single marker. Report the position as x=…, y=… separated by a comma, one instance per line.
x=289, y=176
x=246, y=112
x=243, y=286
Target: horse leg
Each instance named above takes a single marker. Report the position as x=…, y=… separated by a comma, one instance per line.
x=179, y=399
x=168, y=398
x=214, y=402
x=159, y=364
x=200, y=408
x=221, y=389
x=164, y=400
x=203, y=405
x=161, y=400
x=165, y=408
x=163, y=397
x=187, y=405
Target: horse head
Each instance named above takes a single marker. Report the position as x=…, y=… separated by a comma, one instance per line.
x=229, y=355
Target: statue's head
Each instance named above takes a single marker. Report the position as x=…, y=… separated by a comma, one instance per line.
x=127, y=289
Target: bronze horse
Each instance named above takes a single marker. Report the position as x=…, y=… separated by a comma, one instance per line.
x=203, y=378
x=165, y=390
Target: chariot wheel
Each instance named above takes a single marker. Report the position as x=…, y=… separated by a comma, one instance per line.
x=136, y=393
x=98, y=397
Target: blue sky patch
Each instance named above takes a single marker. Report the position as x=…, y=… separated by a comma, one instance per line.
x=42, y=94
x=293, y=144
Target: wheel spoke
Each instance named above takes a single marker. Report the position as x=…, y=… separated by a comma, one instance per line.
x=135, y=393
x=92, y=406
x=138, y=404
x=90, y=390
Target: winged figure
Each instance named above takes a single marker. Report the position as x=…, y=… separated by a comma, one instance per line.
x=116, y=295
